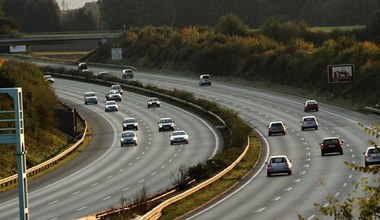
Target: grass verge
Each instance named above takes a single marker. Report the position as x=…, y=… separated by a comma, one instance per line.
x=213, y=191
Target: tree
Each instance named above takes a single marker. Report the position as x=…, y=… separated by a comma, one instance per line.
x=231, y=25
x=373, y=26
x=80, y=20
x=7, y=25
x=34, y=15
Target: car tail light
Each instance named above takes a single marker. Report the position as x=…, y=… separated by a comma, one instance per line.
x=269, y=166
x=286, y=164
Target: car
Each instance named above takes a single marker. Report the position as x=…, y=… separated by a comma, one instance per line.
x=309, y=122
x=310, y=105
x=118, y=88
x=166, y=124
x=331, y=145
x=111, y=106
x=90, y=97
x=205, y=79
x=276, y=127
x=130, y=123
x=82, y=66
x=279, y=164
x=128, y=137
x=153, y=101
x=127, y=74
x=179, y=136
x=113, y=95
x=372, y=156
x=49, y=78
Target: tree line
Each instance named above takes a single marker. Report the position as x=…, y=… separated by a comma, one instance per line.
x=46, y=16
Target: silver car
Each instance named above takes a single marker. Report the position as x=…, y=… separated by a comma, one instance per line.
x=111, y=106
x=90, y=97
x=118, y=88
x=179, y=137
x=166, y=124
x=128, y=137
x=372, y=156
x=309, y=122
x=113, y=95
x=279, y=164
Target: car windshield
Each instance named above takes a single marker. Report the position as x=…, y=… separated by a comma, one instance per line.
x=128, y=134
x=153, y=99
x=129, y=120
x=111, y=103
x=309, y=119
x=116, y=87
x=166, y=121
x=89, y=94
x=205, y=77
x=278, y=160
x=276, y=124
x=373, y=151
x=331, y=141
x=179, y=133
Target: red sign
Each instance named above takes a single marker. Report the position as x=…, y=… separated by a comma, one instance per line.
x=340, y=73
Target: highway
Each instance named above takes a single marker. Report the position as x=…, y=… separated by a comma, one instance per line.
x=258, y=197
x=105, y=173
x=283, y=197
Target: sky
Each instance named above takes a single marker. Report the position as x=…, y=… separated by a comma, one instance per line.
x=72, y=4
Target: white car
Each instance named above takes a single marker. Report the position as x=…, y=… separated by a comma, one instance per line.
x=179, y=137
x=309, y=122
x=166, y=124
x=111, y=106
x=130, y=123
x=279, y=164
x=128, y=137
x=205, y=79
x=153, y=101
x=90, y=97
x=49, y=78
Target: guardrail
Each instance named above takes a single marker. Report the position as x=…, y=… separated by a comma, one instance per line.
x=375, y=110
x=155, y=213
x=42, y=166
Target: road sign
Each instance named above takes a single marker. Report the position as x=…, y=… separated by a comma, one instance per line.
x=117, y=54
x=340, y=73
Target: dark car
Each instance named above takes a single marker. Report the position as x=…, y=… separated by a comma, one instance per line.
x=331, y=145
x=310, y=105
x=276, y=127
x=130, y=123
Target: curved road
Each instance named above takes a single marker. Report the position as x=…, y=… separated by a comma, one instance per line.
x=105, y=173
x=314, y=177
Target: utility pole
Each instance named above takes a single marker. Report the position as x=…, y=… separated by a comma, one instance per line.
x=12, y=132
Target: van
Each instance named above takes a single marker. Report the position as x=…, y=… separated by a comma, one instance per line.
x=205, y=79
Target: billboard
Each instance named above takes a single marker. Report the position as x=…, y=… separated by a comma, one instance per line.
x=340, y=73
x=17, y=48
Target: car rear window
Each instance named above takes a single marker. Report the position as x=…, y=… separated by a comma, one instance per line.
x=276, y=125
x=309, y=119
x=331, y=141
x=278, y=160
